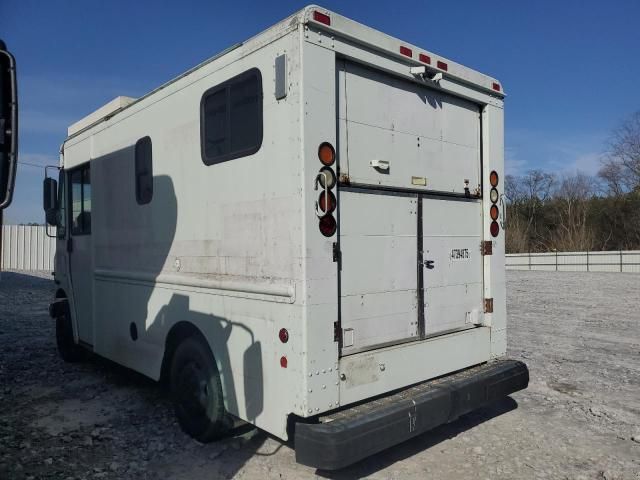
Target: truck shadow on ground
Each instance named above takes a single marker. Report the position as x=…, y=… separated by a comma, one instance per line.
x=226, y=456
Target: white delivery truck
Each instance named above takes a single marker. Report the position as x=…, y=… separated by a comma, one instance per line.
x=303, y=232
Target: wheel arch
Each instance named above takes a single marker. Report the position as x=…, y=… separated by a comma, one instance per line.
x=177, y=334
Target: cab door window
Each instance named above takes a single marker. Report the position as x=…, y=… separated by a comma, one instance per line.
x=80, y=189
x=62, y=195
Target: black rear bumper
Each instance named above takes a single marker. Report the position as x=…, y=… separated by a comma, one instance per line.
x=357, y=432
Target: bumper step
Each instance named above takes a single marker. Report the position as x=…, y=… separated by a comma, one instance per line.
x=349, y=435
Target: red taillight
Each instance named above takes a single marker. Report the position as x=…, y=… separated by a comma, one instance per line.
x=442, y=66
x=494, y=229
x=327, y=202
x=283, y=335
x=322, y=18
x=326, y=154
x=283, y=361
x=496, y=86
x=425, y=58
x=493, y=178
x=493, y=212
x=406, y=51
x=328, y=225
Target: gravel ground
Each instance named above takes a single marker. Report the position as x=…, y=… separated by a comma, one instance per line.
x=580, y=418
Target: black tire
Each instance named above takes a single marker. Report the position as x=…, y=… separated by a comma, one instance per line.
x=196, y=391
x=67, y=347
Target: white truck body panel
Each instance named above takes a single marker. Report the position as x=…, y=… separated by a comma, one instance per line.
x=234, y=248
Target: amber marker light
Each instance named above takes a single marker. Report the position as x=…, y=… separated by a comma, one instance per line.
x=493, y=212
x=493, y=178
x=326, y=154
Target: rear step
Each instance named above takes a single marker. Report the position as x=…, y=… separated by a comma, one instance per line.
x=355, y=433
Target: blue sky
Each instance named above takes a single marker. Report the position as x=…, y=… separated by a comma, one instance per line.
x=570, y=68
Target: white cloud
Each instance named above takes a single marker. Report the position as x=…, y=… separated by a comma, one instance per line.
x=552, y=152
x=513, y=165
x=588, y=163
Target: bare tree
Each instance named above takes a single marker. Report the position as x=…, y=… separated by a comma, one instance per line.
x=538, y=185
x=527, y=196
x=621, y=165
x=573, y=231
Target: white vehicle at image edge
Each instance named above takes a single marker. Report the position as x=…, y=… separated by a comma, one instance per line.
x=303, y=232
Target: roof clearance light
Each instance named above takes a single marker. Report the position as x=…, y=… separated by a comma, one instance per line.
x=322, y=18
x=442, y=66
x=496, y=86
x=406, y=51
x=425, y=58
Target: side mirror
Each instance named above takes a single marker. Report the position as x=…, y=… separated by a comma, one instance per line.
x=8, y=125
x=50, y=200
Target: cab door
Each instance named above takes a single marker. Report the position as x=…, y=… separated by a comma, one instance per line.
x=80, y=249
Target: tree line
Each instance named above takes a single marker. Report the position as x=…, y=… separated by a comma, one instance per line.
x=578, y=212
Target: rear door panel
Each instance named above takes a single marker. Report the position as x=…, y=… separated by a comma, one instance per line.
x=453, y=293
x=379, y=261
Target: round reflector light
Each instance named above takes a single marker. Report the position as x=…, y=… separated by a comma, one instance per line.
x=327, y=177
x=283, y=361
x=283, y=334
x=328, y=225
x=493, y=211
x=494, y=228
x=326, y=154
x=323, y=199
x=493, y=195
x=493, y=178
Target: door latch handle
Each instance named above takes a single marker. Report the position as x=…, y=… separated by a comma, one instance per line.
x=429, y=264
x=379, y=164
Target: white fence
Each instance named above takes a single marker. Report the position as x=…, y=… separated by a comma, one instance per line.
x=613, y=261
x=27, y=247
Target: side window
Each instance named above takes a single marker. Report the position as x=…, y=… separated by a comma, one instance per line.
x=231, y=118
x=80, y=185
x=144, y=171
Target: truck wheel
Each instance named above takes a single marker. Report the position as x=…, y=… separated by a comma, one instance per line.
x=67, y=347
x=196, y=390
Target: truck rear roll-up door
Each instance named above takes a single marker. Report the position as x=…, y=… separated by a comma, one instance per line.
x=397, y=133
